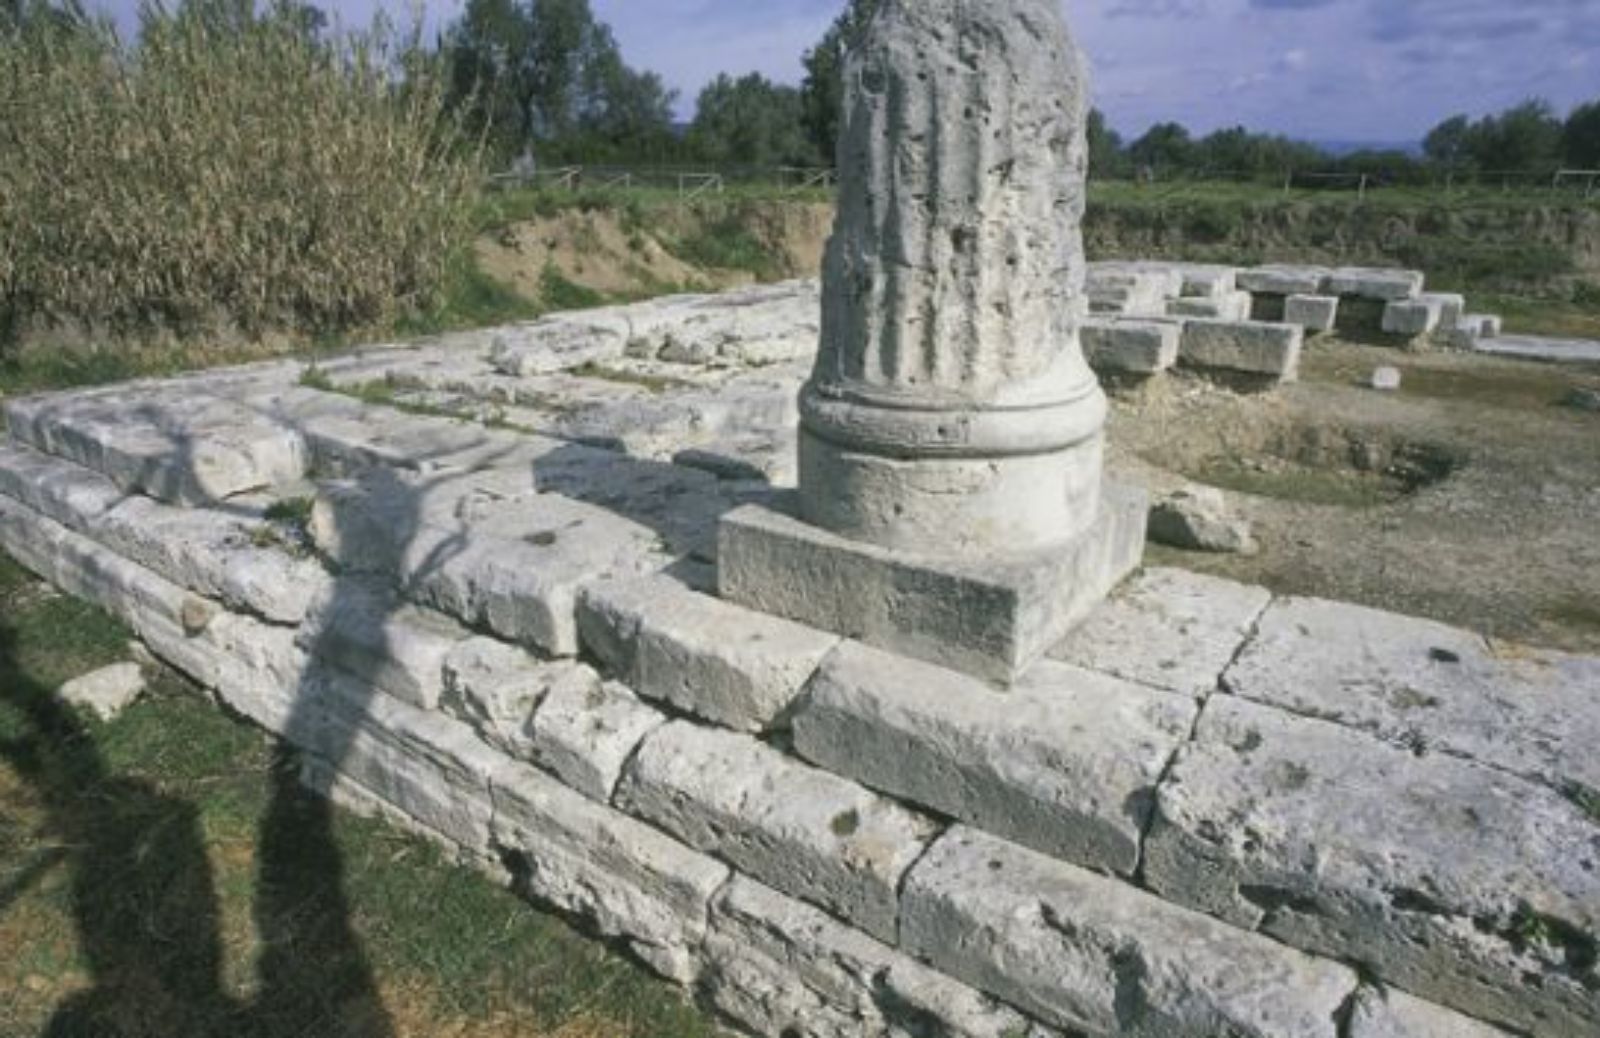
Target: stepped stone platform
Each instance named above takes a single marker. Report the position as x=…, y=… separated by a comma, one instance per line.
x=471, y=580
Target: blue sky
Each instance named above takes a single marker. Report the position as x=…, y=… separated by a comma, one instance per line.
x=1370, y=70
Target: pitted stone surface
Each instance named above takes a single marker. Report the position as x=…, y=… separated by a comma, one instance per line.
x=782, y=967
x=176, y=446
x=1459, y=883
x=584, y=733
x=1088, y=953
x=1390, y=1013
x=1169, y=629
x=729, y=665
x=1251, y=347
x=804, y=831
x=495, y=687
x=68, y=493
x=1313, y=313
x=370, y=632
x=1066, y=762
x=1420, y=316
x=1138, y=347
x=1429, y=688
x=629, y=879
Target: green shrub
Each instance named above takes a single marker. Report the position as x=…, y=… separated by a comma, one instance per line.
x=227, y=173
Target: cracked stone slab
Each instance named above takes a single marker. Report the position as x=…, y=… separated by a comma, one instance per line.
x=1167, y=628
x=1457, y=882
x=496, y=550
x=255, y=668
x=369, y=631
x=495, y=688
x=1428, y=687
x=1066, y=762
x=585, y=732
x=222, y=554
x=1283, y=279
x=779, y=966
x=1382, y=284
x=1251, y=347
x=1388, y=1013
x=803, y=831
x=730, y=665
x=1088, y=953
x=175, y=444
x=630, y=880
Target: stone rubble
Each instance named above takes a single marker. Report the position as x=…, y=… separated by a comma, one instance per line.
x=105, y=692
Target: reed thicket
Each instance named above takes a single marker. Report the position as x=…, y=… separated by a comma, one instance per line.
x=237, y=174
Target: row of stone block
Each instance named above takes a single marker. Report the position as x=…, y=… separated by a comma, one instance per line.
x=1143, y=346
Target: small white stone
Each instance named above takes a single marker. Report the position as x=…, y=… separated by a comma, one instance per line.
x=107, y=691
x=1386, y=379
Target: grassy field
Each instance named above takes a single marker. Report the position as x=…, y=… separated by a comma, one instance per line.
x=160, y=878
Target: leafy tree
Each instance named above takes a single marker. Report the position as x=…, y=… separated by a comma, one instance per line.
x=1165, y=146
x=751, y=121
x=1580, y=138
x=1525, y=138
x=548, y=72
x=1448, y=144
x=1105, y=147
x=822, y=92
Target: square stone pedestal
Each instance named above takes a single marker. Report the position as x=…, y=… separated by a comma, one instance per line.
x=992, y=618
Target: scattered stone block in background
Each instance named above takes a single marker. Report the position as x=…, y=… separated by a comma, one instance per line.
x=105, y=692
x=1386, y=379
x=1472, y=329
x=1207, y=280
x=1228, y=306
x=1374, y=283
x=1283, y=279
x=1248, y=347
x=1131, y=346
x=1413, y=317
x=1313, y=313
x=1197, y=518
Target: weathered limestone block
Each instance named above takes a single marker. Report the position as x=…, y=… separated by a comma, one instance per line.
x=584, y=733
x=782, y=967
x=558, y=343
x=989, y=617
x=1282, y=279
x=1138, y=347
x=1313, y=313
x=1169, y=629
x=105, y=692
x=1066, y=762
x=1207, y=280
x=1374, y=283
x=715, y=660
x=366, y=629
x=1420, y=316
x=1198, y=518
x=495, y=688
x=1452, y=307
x=178, y=446
x=253, y=667
x=1132, y=289
x=765, y=324
x=70, y=494
x=803, y=831
x=385, y=438
x=1251, y=347
x=1387, y=1013
x=1092, y=954
x=1229, y=306
x=512, y=562
x=428, y=767
x=625, y=877
x=1428, y=688
x=1460, y=883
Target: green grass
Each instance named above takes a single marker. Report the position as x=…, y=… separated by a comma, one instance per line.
x=163, y=875
x=1345, y=489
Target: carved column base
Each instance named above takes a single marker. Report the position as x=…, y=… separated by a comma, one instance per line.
x=990, y=616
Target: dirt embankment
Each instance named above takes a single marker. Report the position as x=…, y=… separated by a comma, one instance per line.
x=624, y=253
x=1540, y=251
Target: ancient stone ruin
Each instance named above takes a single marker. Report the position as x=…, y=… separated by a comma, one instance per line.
x=474, y=581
